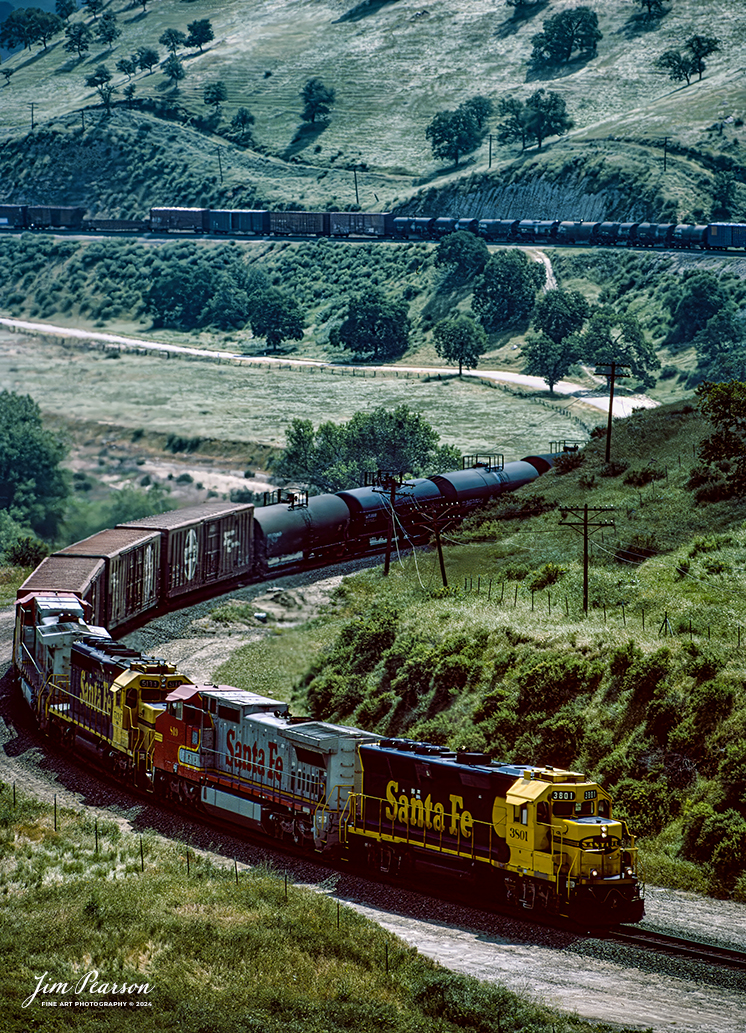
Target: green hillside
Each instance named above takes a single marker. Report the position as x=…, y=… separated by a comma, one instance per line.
x=392, y=69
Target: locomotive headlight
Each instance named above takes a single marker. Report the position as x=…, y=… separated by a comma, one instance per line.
x=604, y=831
x=594, y=873
x=628, y=872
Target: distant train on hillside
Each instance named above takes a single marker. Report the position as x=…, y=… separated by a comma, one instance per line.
x=714, y=236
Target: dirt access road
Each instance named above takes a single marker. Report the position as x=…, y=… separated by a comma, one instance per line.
x=594, y=399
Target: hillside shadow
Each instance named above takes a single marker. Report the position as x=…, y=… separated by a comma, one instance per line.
x=363, y=10
x=514, y=24
x=640, y=23
x=544, y=72
x=305, y=135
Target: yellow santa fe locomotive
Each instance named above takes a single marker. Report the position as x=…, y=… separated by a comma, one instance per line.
x=537, y=838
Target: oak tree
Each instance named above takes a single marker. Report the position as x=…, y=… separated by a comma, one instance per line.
x=505, y=292
x=547, y=358
x=564, y=33
x=460, y=339
x=317, y=99
x=375, y=326
x=200, y=32
x=214, y=95
x=78, y=39
x=547, y=116
x=277, y=318
x=173, y=69
x=172, y=39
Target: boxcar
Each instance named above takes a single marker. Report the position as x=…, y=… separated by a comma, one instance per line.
x=133, y=566
x=239, y=220
x=726, y=234
x=360, y=224
x=201, y=545
x=181, y=219
x=286, y=224
x=52, y=217
x=82, y=575
x=12, y=216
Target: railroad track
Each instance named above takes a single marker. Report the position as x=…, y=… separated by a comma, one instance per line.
x=695, y=950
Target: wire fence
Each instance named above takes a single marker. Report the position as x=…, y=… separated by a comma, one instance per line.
x=562, y=606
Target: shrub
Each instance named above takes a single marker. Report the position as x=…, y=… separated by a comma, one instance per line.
x=644, y=805
x=639, y=478
x=556, y=680
x=547, y=575
x=568, y=461
x=717, y=838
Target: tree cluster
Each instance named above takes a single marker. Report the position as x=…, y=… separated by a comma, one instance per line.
x=191, y=290
x=33, y=489
x=455, y=133
x=28, y=25
x=339, y=455
x=565, y=33
x=544, y=114
x=707, y=312
x=682, y=67
x=566, y=330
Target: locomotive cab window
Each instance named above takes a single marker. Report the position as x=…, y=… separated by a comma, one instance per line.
x=176, y=710
x=520, y=814
x=604, y=811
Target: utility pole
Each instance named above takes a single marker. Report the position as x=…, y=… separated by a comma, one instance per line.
x=665, y=148
x=357, y=195
x=32, y=116
x=387, y=483
x=588, y=527
x=220, y=165
x=489, y=166
x=612, y=375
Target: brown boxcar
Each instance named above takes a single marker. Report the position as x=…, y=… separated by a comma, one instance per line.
x=133, y=570
x=285, y=224
x=195, y=219
x=202, y=545
x=83, y=575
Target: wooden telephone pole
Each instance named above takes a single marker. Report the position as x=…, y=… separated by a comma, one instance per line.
x=588, y=526
x=611, y=370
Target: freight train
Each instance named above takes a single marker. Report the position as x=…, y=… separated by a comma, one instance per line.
x=526, y=837
x=715, y=236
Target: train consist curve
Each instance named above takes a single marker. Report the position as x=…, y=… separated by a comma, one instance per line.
x=715, y=236
x=536, y=838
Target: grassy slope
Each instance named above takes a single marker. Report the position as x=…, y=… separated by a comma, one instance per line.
x=392, y=71
x=198, y=942
x=455, y=667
